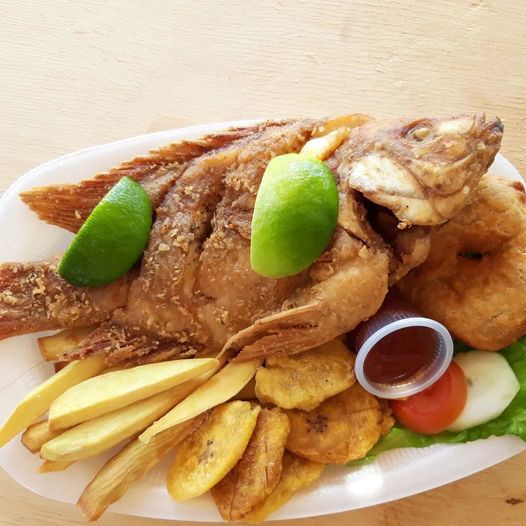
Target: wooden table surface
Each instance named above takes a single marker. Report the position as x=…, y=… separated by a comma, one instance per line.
x=74, y=74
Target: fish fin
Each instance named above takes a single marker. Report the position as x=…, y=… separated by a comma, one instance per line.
x=121, y=345
x=68, y=205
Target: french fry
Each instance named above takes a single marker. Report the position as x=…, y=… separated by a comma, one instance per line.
x=51, y=347
x=218, y=389
x=36, y=435
x=101, y=433
x=129, y=465
x=111, y=391
x=323, y=147
x=38, y=401
x=352, y=120
x=51, y=466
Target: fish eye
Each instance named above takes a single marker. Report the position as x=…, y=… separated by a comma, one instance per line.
x=420, y=133
x=417, y=130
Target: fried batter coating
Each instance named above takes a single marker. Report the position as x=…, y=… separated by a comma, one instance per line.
x=258, y=472
x=388, y=420
x=343, y=428
x=474, y=280
x=305, y=380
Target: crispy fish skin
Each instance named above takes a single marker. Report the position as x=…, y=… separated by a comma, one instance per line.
x=184, y=302
x=68, y=205
x=408, y=248
x=33, y=297
x=345, y=286
x=377, y=226
x=258, y=471
x=433, y=164
x=343, y=428
x=122, y=344
x=226, y=302
x=474, y=280
x=305, y=380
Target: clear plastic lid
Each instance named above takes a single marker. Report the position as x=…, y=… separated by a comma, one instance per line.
x=399, y=352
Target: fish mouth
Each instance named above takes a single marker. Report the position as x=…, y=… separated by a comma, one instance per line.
x=493, y=128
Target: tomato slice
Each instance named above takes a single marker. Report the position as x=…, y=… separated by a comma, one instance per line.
x=437, y=407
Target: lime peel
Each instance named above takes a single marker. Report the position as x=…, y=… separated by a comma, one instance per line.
x=112, y=238
x=295, y=215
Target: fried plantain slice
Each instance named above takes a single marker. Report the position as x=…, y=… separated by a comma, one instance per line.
x=343, y=428
x=206, y=456
x=258, y=472
x=297, y=473
x=305, y=380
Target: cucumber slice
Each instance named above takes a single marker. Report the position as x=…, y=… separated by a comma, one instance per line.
x=492, y=385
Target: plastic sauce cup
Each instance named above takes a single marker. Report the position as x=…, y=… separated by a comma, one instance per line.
x=400, y=352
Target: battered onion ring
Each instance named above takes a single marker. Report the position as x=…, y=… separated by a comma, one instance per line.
x=474, y=280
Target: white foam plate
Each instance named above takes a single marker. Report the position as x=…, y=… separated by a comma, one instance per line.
x=393, y=475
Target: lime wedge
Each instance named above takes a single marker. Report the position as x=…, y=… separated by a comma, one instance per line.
x=294, y=216
x=112, y=238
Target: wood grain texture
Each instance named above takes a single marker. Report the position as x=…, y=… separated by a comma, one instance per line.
x=74, y=74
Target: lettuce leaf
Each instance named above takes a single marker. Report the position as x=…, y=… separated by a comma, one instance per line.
x=511, y=422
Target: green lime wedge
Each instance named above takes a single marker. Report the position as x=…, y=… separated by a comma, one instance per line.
x=294, y=216
x=112, y=238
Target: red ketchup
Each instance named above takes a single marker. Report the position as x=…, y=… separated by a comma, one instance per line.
x=400, y=352
x=400, y=355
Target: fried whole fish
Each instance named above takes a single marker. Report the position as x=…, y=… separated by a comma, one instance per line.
x=474, y=280
x=196, y=291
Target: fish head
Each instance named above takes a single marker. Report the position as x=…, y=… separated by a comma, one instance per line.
x=443, y=143
x=425, y=169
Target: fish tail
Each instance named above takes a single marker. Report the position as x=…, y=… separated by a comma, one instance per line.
x=33, y=297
